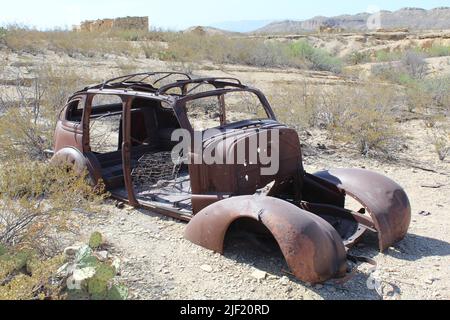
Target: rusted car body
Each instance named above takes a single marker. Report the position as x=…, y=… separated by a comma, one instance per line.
x=305, y=213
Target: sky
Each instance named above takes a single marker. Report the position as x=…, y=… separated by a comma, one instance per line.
x=180, y=14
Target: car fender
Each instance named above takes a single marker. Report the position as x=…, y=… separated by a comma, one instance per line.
x=385, y=201
x=78, y=161
x=313, y=250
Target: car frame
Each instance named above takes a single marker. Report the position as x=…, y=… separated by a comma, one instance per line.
x=305, y=213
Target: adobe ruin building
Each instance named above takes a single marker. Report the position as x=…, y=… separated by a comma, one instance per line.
x=126, y=23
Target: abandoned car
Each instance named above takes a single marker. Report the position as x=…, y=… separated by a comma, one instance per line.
x=121, y=132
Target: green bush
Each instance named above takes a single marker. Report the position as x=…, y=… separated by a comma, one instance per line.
x=3, y=32
x=319, y=59
x=359, y=116
x=37, y=201
x=356, y=58
x=296, y=106
x=25, y=276
x=438, y=51
x=429, y=96
x=387, y=56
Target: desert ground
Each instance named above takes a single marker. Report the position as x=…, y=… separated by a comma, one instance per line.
x=158, y=263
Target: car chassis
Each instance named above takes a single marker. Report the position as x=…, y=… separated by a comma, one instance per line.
x=305, y=213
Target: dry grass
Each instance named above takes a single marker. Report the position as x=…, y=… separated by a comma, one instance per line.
x=363, y=117
x=29, y=116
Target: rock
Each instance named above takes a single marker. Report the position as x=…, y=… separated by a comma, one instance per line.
x=70, y=252
x=206, y=268
x=119, y=205
x=431, y=280
x=284, y=281
x=102, y=255
x=259, y=274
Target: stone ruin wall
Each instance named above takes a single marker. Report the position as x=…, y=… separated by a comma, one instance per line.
x=136, y=23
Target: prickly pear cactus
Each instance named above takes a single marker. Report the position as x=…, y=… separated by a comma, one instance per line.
x=87, y=276
x=105, y=272
x=118, y=292
x=97, y=288
x=96, y=240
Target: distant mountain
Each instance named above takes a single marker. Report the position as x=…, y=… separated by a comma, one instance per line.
x=241, y=26
x=201, y=30
x=411, y=18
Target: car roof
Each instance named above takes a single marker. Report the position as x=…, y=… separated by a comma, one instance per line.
x=135, y=85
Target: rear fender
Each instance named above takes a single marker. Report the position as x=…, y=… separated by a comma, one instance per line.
x=313, y=250
x=79, y=163
x=385, y=201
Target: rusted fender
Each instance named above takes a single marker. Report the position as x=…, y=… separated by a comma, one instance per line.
x=385, y=201
x=78, y=161
x=313, y=250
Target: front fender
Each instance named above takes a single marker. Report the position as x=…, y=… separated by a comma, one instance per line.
x=385, y=201
x=313, y=250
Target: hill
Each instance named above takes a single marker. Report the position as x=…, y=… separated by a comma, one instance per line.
x=411, y=18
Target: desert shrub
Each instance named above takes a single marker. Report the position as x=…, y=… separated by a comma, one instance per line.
x=414, y=64
x=357, y=57
x=388, y=72
x=36, y=201
x=88, y=44
x=296, y=106
x=362, y=116
x=431, y=97
x=438, y=51
x=29, y=116
x=20, y=39
x=3, y=32
x=222, y=49
x=372, y=130
x=126, y=67
x=158, y=35
x=411, y=67
x=151, y=50
x=387, y=56
x=25, y=276
x=129, y=34
x=441, y=143
x=318, y=59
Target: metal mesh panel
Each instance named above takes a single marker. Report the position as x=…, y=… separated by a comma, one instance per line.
x=155, y=169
